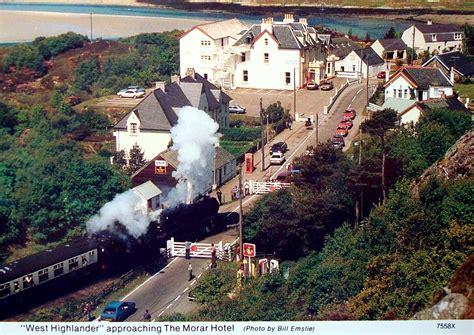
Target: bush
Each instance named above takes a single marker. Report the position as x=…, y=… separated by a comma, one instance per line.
x=240, y=134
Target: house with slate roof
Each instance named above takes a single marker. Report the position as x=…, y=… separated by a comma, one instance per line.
x=206, y=49
x=453, y=64
x=390, y=49
x=149, y=123
x=438, y=38
x=337, y=49
x=418, y=83
x=271, y=55
x=159, y=170
x=359, y=64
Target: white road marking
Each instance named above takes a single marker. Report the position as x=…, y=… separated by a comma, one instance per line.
x=359, y=91
x=353, y=98
x=177, y=298
x=162, y=312
x=146, y=281
x=193, y=282
x=200, y=275
x=186, y=289
x=167, y=307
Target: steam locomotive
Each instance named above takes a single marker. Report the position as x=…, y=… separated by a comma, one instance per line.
x=84, y=255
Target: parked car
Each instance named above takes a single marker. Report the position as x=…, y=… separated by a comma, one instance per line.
x=284, y=177
x=326, y=86
x=344, y=125
x=237, y=109
x=349, y=114
x=381, y=75
x=312, y=86
x=348, y=122
x=132, y=93
x=279, y=147
x=338, y=142
x=117, y=311
x=277, y=158
x=342, y=131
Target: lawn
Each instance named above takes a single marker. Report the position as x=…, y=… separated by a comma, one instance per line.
x=465, y=90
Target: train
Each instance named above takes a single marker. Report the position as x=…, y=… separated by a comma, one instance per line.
x=102, y=250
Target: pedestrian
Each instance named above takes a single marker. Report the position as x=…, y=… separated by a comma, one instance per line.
x=247, y=187
x=190, y=271
x=219, y=196
x=187, y=248
x=213, y=256
x=147, y=316
x=88, y=311
x=289, y=124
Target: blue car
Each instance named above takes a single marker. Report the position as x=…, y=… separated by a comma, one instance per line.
x=117, y=311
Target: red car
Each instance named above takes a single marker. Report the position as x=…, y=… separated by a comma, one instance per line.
x=342, y=131
x=381, y=75
x=350, y=113
x=344, y=125
x=348, y=123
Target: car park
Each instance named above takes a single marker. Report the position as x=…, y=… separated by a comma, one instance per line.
x=117, y=311
x=349, y=114
x=326, y=86
x=312, y=86
x=278, y=147
x=237, y=109
x=277, y=158
x=132, y=93
x=342, y=131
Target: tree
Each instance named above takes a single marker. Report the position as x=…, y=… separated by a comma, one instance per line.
x=390, y=33
x=8, y=118
x=378, y=125
x=275, y=112
x=119, y=159
x=136, y=159
x=87, y=74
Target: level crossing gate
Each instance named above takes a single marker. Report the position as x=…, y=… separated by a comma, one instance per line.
x=199, y=250
x=262, y=187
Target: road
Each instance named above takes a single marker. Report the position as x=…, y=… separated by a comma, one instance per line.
x=165, y=292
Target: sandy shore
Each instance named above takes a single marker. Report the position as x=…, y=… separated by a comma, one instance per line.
x=21, y=26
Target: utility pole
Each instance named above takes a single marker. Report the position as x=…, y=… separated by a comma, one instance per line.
x=241, y=220
x=316, y=120
x=413, y=46
x=358, y=206
x=268, y=132
x=91, y=24
x=294, y=94
x=367, y=79
x=262, y=116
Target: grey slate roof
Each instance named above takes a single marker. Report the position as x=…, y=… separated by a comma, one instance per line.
x=444, y=32
x=425, y=77
x=193, y=92
x=154, y=112
x=342, y=46
x=282, y=32
x=175, y=96
x=455, y=59
x=213, y=98
x=397, y=104
x=147, y=190
x=251, y=33
x=222, y=157
x=392, y=44
x=451, y=103
x=369, y=56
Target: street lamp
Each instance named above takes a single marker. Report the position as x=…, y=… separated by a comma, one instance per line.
x=268, y=133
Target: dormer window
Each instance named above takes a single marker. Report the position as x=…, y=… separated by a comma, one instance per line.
x=133, y=128
x=433, y=37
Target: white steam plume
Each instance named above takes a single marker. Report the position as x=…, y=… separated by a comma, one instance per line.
x=194, y=137
x=121, y=209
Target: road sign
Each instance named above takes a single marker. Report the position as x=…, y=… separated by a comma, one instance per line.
x=249, y=250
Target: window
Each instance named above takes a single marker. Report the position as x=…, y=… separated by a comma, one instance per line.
x=43, y=275
x=353, y=68
x=433, y=37
x=133, y=128
x=28, y=281
x=287, y=78
x=457, y=36
x=405, y=93
x=266, y=41
x=222, y=43
x=400, y=93
x=242, y=57
x=4, y=290
x=58, y=269
x=394, y=93
x=73, y=264
x=246, y=75
x=16, y=286
x=205, y=76
x=205, y=43
x=205, y=58
x=265, y=57
x=342, y=68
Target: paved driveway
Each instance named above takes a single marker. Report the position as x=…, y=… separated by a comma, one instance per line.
x=306, y=101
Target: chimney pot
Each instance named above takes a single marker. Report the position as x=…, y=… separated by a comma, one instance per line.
x=160, y=85
x=175, y=79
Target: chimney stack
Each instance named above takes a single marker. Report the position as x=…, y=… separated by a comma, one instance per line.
x=288, y=18
x=160, y=85
x=175, y=79
x=304, y=21
x=267, y=24
x=451, y=75
x=191, y=72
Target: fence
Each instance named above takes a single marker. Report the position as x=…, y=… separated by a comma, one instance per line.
x=199, y=250
x=260, y=187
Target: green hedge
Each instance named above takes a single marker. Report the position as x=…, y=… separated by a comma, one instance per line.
x=240, y=134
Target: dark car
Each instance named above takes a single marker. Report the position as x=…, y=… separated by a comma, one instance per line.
x=117, y=311
x=338, y=142
x=308, y=124
x=312, y=86
x=326, y=86
x=279, y=147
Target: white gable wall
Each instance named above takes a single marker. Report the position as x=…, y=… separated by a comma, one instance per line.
x=152, y=142
x=437, y=91
x=196, y=50
x=399, y=88
x=350, y=67
x=410, y=117
x=429, y=45
x=378, y=48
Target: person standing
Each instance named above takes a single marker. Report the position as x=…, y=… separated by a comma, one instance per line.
x=147, y=316
x=88, y=311
x=190, y=272
x=289, y=124
x=187, y=249
x=213, y=256
x=219, y=196
x=247, y=187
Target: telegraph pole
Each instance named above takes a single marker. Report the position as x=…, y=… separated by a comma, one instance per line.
x=294, y=94
x=91, y=24
x=316, y=120
x=413, y=46
x=367, y=80
x=241, y=220
x=262, y=133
